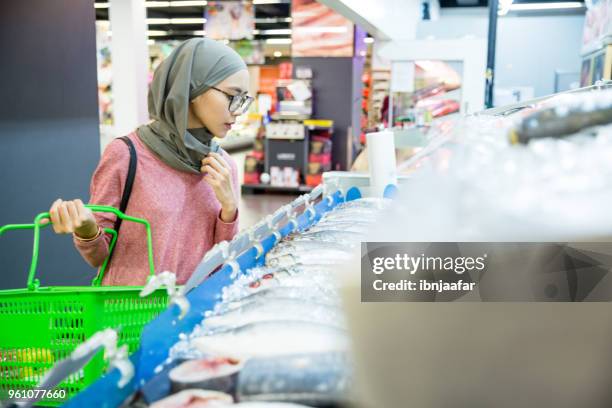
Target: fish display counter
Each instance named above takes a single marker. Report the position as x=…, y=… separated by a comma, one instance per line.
x=277, y=333
x=269, y=329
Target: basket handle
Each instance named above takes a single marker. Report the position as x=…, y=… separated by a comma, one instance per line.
x=36, y=226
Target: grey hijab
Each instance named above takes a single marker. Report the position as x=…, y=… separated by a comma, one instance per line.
x=192, y=68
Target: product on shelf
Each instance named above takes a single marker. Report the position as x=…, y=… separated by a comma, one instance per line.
x=314, y=180
x=324, y=158
x=284, y=176
x=318, y=168
x=315, y=173
x=320, y=152
x=253, y=167
x=285, y=70
x=258, y=145
x=294, y=99
x=320, y=145
x=286, y=153
x=254, y=163
x=251, y=178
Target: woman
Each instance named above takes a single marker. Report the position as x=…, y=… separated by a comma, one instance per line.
x=184, y=185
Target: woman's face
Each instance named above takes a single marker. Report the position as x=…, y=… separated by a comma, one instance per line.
x=211, y=109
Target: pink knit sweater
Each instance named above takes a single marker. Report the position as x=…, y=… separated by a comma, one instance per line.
x=182, y=209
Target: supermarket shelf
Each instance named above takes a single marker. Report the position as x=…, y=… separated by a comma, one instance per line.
x=266, y=188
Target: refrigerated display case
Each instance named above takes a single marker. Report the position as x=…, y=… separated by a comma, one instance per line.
x=472, y=181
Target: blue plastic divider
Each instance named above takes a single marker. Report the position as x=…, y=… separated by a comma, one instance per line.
x=353, y=193
x=391, y=191
x=164, y=331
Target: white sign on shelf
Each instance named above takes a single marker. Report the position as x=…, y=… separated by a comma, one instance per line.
x=299, y=90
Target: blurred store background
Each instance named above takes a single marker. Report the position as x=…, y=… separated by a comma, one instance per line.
x=324, y=73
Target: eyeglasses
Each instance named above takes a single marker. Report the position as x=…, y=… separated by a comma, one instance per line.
x=238, y=104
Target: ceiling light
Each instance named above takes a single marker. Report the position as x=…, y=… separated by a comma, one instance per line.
x=101, y=5
x=187, y=20
x=152, y=21
x=158, y=21
x=278, y=54
x=368, y=40
x=199, y=32
x=155, y=33
x=157, y=4
x=280, y=31
x=278, y=41
x=184, y=3
x=545, y=6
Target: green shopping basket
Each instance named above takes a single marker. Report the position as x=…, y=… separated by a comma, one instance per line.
x=41, y=325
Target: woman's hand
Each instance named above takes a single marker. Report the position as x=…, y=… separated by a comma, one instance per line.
x=218, y=175
x=69, y=217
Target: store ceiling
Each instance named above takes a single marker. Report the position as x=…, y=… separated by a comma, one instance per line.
x=181, y=19
x=179, y=22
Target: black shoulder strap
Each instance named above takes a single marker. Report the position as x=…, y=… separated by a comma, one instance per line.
x=129, y=182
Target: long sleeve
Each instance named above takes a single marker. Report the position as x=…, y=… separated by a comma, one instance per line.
x=106, y=188
x=225, y=231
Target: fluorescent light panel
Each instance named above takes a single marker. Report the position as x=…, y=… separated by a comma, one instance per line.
x=545, y=6
x=152, y=21
x=280, y=31
x=101, y=5
x=278, y=41
x=157, y=33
